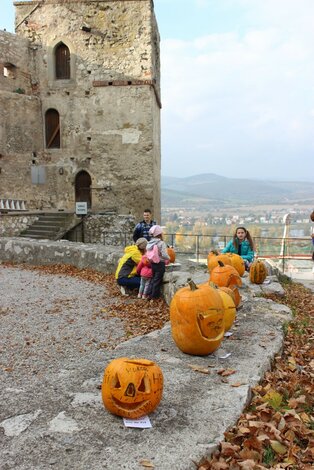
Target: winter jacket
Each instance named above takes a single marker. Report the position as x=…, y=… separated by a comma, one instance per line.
x=246, y=251
x=129, y=261
x=162, y=248
x=142, y=229
x=144, y=268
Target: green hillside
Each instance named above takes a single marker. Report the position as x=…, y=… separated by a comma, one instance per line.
x=209, y=188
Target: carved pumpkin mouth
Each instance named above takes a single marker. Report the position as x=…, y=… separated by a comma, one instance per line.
x=129, y=406
x=209, y=327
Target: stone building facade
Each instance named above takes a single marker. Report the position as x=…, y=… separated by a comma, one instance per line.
x=80, y=106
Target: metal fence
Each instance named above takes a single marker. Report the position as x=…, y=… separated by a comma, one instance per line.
x=197, y=246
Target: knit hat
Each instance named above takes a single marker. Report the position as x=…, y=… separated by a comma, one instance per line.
x=155, y=230
x=141, y=243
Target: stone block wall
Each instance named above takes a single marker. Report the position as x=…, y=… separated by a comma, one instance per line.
x=109, y=107
x=43, y=252
x=11, y=225
x=111, y=230
x=16, y=64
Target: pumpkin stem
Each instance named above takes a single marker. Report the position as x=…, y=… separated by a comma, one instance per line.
x=192, y=284
x=221, y=264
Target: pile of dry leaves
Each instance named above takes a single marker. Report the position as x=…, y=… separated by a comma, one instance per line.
x=277, y=429
x=139, y=316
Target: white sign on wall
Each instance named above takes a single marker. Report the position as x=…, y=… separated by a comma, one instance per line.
x=81, y=208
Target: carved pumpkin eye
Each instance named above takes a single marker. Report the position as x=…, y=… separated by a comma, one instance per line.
x=116, y=382
x=144, y=385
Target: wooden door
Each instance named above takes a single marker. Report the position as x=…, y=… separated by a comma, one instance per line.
x=83, y=192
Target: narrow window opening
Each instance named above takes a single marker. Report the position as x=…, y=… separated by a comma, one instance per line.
x=62, y=56
x=52, y=124
x=9, y=71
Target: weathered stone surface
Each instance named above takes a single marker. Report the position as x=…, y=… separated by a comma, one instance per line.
x=110, y=131
x=45, y=252
x=54, y=418
x=12, y=225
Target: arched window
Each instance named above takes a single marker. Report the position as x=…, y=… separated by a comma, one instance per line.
x=62, y=58
x=52, y=127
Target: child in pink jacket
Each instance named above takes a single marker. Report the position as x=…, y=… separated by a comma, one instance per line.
x=144, y=269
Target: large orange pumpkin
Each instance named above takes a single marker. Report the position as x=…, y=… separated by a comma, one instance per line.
x=225, y=276
x=213, y=258
x=238, y=263
x=172, y=254
x=197, y=319
x=258, y=272
x=132, y=387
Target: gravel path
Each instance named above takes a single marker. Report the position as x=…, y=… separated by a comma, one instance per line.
x=48, y=318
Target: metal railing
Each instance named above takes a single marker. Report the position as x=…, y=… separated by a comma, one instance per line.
x=197, y=246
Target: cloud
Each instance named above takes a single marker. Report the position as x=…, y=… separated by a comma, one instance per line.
x=244, y=92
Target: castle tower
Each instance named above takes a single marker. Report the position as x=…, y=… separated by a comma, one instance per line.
x=93, y=100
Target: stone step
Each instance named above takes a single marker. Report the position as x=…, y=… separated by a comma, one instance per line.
x=48, y=226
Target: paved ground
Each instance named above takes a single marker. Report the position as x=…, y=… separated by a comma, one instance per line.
x=52, y=356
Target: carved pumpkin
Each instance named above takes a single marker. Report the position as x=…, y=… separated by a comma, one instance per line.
x=258, y=272
x=132, y=387
x=229, y=308
x=233, y=292
x=213, y=258
x=172, y=254
x=238, y=263
x=236, y=295
x=197, y=319
x=225, y=276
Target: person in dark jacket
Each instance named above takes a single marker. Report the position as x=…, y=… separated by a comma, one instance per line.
x=142, y=228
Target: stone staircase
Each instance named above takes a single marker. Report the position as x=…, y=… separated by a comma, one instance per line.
x=50, y=226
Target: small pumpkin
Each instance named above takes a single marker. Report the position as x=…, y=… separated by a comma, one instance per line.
x=197, y=319
x=214, y=256
x=172, y=254
x=238, y=263
x=225, y=276
x=258, y=272
x=230, y=310
x=132, y=387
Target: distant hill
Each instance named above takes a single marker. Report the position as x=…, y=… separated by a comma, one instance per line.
x=209, y=188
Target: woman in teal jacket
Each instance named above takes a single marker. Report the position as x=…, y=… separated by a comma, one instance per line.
x=241, y=244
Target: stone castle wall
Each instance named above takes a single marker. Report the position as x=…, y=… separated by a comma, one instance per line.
x=11, y=225
x=109, y=108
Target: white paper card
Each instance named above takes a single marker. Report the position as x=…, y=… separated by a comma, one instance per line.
x=225, y=356
x=143, y=422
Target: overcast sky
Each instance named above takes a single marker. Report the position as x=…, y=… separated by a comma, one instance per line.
x=237, y=87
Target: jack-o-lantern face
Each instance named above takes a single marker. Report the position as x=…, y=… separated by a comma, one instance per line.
x=132, y=387
x=197, y=319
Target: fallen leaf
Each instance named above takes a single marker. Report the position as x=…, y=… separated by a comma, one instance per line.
x=202, y=370
x=278, y=447
x=146, y=463
x=237, y=384
x=226, y=372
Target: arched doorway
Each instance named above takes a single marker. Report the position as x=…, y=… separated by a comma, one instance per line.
x=83, y=192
